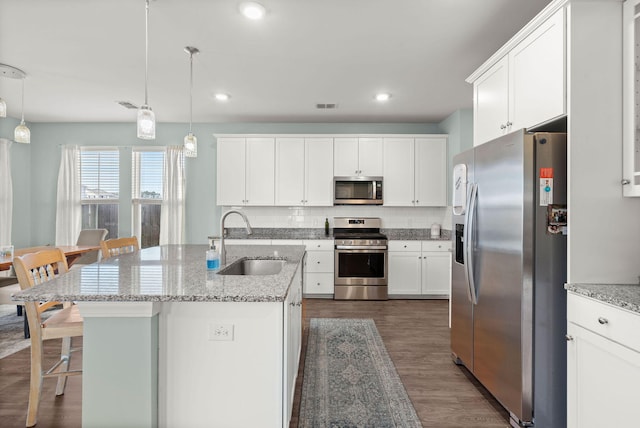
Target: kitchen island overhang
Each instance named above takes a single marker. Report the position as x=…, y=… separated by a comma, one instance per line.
x=153, y=355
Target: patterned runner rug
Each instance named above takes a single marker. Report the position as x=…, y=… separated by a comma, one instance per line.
x=349, y=379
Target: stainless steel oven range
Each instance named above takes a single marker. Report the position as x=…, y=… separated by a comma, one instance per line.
x=360, y=259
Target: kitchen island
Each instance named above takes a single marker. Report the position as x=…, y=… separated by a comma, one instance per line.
x=168, y=343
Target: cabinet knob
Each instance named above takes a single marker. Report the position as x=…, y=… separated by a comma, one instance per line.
x=568, y=337
x=509, y=124
x=502, y=126
x=417, y=201
x=318, y=262
x=603, y=320
x=624, y=182
x=318, y=284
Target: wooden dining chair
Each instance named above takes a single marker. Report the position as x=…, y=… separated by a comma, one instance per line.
x=33, y=269
x=115, y=247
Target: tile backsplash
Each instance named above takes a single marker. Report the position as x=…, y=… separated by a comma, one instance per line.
x=313, y=217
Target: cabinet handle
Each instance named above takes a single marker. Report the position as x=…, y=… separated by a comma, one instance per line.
x=509, y=124
x=502, y=126
x=568, y=337
x=603, y=320
x=624, y=182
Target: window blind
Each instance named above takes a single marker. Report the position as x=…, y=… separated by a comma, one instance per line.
x=99, y=174
x=148, y=172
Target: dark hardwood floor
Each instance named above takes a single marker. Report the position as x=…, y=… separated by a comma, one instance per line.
x=415, y=333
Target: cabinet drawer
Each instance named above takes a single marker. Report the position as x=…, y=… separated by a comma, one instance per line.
x=286, y=242
x=320, y=261
x=318, y=283
x=247, y=242
x=319, y=244
x=404, y=246
x=436, y=245
x=604, y=319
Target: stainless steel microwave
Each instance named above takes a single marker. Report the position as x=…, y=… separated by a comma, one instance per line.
x=357, y=191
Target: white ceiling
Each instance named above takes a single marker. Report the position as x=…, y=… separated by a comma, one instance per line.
x=81, y=56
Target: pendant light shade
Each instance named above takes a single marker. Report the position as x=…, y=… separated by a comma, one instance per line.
x=146, y=118
x=3, y=108
x=146, y=123
x=22, y=134
x=190, y=141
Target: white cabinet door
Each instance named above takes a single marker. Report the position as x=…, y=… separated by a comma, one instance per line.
x=602, y=381
x=370, y=157
x=260, y=171
x=436, y=274
x=537, y=75
x=290, y=171
x=399, y=172
x=404, y=273
x=631, y=99
x=345, y=157
x=491, y=103
x=318, y=176
x=430, y=172
x=231, y=171
x=357, y=157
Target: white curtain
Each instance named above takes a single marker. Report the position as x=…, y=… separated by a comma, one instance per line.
x=68, y=208
x=6, y=192
x=173, y=188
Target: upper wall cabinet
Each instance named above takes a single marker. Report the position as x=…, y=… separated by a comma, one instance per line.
x=415, y=171
x=524, y=88
x=304, y=171
x=357, y=157
x=631, y=81
x=245, y=171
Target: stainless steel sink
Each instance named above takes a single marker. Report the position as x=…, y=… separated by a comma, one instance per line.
x=253, y=267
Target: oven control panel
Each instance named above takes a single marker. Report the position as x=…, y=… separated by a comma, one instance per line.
x=345, y=243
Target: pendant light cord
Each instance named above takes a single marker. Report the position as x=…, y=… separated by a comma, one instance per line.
x=190, y=90
x=146, y=52
x=23, y=100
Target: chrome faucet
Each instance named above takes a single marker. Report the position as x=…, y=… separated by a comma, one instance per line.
x=223, y=251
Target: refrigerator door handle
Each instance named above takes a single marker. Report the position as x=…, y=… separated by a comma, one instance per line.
x=468, y=243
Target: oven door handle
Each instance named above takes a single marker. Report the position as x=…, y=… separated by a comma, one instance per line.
x=361, y=247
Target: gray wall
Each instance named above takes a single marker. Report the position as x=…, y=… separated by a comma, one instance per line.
x=35, y=166
x=459, y=126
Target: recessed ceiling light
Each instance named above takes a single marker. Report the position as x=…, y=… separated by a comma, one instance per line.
x=222, y=97
x=383, y=96
x=252, y=10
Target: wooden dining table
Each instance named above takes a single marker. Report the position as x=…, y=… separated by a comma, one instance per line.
x=72, y=252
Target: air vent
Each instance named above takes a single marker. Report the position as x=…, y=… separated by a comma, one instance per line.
x=326, y=106
x=127, y=104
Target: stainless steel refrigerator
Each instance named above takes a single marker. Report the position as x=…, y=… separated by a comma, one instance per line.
x=508, y=303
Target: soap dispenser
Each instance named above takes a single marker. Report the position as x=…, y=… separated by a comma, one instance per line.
x=213, y=258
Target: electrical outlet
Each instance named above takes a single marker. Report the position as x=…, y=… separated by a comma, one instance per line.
x=221, y=332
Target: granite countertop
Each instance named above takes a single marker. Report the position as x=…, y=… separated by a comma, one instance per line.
x=304, y=233
x=172, y=273
x=626, y=296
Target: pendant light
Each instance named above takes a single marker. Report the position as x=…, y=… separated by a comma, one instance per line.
x=190, y=141
x=12, y=73
x=146, y=118
x=22, y=134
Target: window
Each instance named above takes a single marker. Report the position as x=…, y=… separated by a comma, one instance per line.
x=147, y=179
x=100, y=189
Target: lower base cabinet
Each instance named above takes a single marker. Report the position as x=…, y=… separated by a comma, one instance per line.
x=419, y=269
x=319, y=268
x=603, y=364
x=246, y=380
